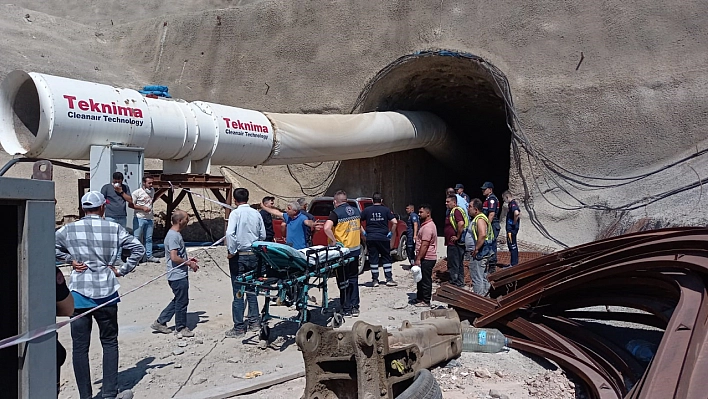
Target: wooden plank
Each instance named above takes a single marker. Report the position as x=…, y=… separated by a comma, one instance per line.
x=245, y=386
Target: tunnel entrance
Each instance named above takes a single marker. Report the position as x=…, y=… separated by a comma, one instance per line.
x=462, y=89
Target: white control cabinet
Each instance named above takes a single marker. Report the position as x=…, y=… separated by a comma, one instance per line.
x=105, y=160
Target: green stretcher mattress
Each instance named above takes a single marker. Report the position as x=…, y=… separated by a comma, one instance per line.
x=285, y=258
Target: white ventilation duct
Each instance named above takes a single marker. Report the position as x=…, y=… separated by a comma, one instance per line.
x=47, y=116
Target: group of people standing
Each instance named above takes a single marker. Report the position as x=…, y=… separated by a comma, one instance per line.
x=474, y=230
x=93, y=246
x=471, y=228
x=247, y=225
x=117, y=196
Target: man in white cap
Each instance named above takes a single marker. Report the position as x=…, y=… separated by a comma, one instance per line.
x=92, y=245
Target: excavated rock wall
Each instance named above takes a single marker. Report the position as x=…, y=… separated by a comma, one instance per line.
x=637, y=100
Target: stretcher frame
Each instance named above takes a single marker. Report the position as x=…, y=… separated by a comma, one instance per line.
x=292, y=284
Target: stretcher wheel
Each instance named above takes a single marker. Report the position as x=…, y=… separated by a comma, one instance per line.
x=337, y=320
x=307, y=318
x=265, y=333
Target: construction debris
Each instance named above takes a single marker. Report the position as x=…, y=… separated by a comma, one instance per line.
x=253, y=374
x=550, y=385
x=371, y=362
x=663, y=273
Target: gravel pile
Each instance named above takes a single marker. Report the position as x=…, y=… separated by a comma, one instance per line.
x=508, y=374
x=552, y=385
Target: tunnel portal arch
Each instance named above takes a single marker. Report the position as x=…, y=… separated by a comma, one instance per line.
x=469, y=94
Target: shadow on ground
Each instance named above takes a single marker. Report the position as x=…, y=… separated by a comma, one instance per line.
x=196, y=318
x=130, y=377
x=282, y=332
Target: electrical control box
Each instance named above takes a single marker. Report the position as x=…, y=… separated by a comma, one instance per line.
x=105, y=160
x=27, y=288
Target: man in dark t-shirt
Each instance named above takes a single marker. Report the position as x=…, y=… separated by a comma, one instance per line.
x=267, y=202
x=378, y=239
x=412, y=225
x=117, y=195
x=491, y=209
x=513, y=217
x=460, y=190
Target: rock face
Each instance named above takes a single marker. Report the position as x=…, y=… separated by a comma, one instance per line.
x=599, y=89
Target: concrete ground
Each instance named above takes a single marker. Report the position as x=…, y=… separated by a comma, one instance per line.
x=153, y=367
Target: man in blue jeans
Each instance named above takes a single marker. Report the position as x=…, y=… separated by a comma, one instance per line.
x=412, y=225
x=454, y=230
x=92, y=245
x=143, y=218
x=178, y=266
x=479, y=244
x=244, y=228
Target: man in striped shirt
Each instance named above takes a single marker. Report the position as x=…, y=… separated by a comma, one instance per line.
x=92, y=245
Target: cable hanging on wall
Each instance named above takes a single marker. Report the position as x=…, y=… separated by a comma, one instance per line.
x=553, y=171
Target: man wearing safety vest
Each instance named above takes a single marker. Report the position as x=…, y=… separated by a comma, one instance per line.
x=344, y=226
x=455, y=228
x=479, y=244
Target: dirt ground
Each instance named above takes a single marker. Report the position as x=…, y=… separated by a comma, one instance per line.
x=150, y=367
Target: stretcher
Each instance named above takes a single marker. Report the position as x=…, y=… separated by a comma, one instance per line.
x=284, y=276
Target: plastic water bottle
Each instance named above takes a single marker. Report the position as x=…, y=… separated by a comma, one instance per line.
x=487, y=340
x=641, y=349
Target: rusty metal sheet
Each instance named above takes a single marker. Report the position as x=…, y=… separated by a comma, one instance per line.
x=662, y=272
x=600, y=386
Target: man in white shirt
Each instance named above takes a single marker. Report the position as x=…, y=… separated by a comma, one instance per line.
x=245, y=226
x=142, y=220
